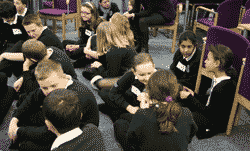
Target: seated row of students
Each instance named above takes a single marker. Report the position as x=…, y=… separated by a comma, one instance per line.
x=27, y=126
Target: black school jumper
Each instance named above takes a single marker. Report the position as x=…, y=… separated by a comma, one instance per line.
x=142, y=133
x=47, y=38
x=114, y=8
x=31, y=120
x=118, y=61
x=29, y=80
x=215, y=116
x=90, y=139
x=85, y=32
x=120, y=96
x=189, y=76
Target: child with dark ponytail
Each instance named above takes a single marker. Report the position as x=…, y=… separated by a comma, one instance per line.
x=160, y=123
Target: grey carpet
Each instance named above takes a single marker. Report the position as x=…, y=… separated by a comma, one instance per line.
x=159, y=48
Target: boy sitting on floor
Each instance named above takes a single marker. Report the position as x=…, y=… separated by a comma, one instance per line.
x=61, y=109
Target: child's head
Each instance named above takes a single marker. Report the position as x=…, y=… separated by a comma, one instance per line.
x=163, y=90
x=20, y=4
x=219, y=58
x=104, y=3
x=61, y=109
x=89, y=12
x=50, y=76
x=143, y=67
x=123, y=26
x=187, y=43
x=7, y=11
x=33, y=25
x=34, y=50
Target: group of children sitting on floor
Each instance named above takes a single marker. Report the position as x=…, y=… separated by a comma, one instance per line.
x=151, y=108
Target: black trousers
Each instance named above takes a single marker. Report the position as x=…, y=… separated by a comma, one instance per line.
x=78, y=54
x=121, y=127
x=34, y=139
x=139, y=26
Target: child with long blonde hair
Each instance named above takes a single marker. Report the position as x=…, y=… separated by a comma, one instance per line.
x=118, y=50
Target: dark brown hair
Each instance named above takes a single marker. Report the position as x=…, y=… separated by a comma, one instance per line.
x=223, y=54
x=161, y=85
x=95, y=19
x=34, y=49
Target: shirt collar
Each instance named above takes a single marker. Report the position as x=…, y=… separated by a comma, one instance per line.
x=190, y=57
x=218, y=80
x=137, y=77
x=23, y=14
x=66, y=137
x=14, y=22
x=69, y=82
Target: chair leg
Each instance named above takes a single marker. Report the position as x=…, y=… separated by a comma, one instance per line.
x=232, y=118
x=63, y=27
x=195, y=27
x=76, y=20
x=174, y=40
x=54, y=26
x=154, y=32
x=45, y=22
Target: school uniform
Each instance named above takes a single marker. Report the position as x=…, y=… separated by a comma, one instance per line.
x=29, y=80
x=14, y=31
x=155, y=13
x=207, y=106
x=142, y=133
x=122, y=94
x=112, y=10
x=89, y=138
x=118, y=61
x=31, y=120
x=186, y=69
x=86, y=31
x=8, y=94
x=47, y=38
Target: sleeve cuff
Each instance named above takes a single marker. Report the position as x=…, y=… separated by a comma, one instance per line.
x=95, y=79
x=125, y=105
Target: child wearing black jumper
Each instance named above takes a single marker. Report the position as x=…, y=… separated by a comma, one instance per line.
x=186, y=60
x=160, y=123
x=211, y=109
x=122, y=97
x=106, y=9
x=90, y=20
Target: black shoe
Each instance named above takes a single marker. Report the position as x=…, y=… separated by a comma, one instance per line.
x=107, y=110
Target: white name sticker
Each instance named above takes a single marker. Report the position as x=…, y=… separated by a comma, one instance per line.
x=89, y=33
x=181, y=66
x=135, y=90
x=17, y=31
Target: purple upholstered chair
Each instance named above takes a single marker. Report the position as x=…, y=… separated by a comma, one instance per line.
x=240, y=47
x=48, y=4
x=62, y=10
x=227, y=16
x=173, y=25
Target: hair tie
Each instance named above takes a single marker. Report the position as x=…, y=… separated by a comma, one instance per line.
x=90, y=5
x=169, y=99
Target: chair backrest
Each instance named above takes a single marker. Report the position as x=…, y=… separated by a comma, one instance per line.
x=247, y=5
x=61, y=4
x=246, y=17
x=236, y=42
x=228, y=13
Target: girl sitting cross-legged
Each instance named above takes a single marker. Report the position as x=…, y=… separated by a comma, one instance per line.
x=212, y=107
x=76, y=50
x=160, y=123
x=119, y=51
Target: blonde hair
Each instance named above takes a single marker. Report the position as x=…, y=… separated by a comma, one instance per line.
x=123, y=26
